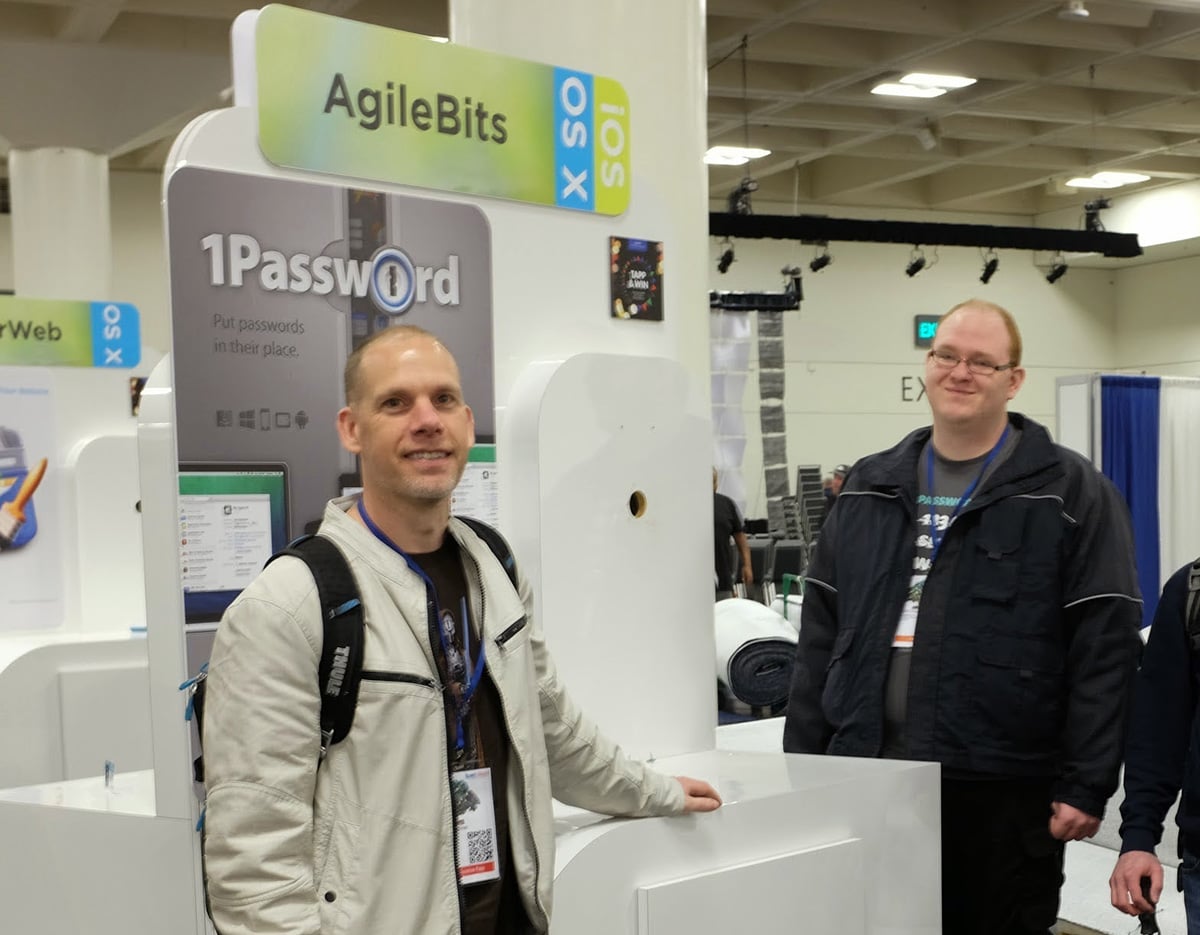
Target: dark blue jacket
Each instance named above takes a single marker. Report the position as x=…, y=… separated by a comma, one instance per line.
x=1162, y=755
x=1027, y=635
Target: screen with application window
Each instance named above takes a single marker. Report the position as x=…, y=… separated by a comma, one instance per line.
x=232, y=518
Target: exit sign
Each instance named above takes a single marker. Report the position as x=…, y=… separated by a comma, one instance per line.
x=924, y=328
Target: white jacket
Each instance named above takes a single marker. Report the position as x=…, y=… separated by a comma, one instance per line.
x=363, y=844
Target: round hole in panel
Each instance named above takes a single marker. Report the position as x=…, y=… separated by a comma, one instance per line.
x=637, y=504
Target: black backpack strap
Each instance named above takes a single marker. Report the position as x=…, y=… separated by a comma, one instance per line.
x=342, y=649
x=1193, y=607
x=497, y=543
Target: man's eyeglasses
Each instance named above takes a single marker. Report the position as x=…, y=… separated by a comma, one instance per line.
x=981, y=368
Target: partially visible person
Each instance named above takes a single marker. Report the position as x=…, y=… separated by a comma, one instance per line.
x=728, y=525
x=972, y=601
x=461, y=716
x=1162, y=759
x=838, y=480
x=831, y=487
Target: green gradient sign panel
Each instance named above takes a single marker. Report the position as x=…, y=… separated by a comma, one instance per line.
x=53, y=333
x=339, y=97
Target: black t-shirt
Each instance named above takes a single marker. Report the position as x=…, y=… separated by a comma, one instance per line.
x=726, y=522
x=494, y=907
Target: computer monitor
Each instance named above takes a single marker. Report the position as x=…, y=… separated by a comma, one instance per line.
x=232, y=518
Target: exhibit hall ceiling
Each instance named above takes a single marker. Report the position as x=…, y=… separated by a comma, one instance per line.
x=1058, y=90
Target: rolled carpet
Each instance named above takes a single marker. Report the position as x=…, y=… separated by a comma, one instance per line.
x=756, y=648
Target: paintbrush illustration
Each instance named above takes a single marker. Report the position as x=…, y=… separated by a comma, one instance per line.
x=12, y=514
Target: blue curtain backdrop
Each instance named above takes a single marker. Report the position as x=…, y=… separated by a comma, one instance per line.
x=1129, y=450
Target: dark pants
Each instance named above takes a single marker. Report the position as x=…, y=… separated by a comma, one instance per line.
x=1001, y=869
x=1189, y=882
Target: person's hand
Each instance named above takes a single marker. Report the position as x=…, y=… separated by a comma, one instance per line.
x=1125, y=884
x=698, y=796
x=747, y=575
x=1070, y=824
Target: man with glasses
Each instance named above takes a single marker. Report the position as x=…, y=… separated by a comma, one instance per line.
x=973, y=601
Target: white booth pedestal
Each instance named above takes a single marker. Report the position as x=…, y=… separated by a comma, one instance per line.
x=802, y=844
x=81, y=857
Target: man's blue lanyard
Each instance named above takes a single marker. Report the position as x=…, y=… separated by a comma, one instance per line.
x=462, y=704
x=933, y=530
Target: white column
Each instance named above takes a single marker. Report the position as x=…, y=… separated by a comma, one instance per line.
x=62, y=247
x=626, y=604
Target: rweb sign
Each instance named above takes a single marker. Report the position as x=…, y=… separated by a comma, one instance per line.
x=390, y=277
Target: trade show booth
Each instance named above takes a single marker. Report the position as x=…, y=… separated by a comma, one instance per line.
x=543, y=233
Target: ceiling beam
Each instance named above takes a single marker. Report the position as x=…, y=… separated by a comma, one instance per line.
x=729, y=45
x=88, y=22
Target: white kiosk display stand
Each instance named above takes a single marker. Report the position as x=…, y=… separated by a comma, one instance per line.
x=605, y=460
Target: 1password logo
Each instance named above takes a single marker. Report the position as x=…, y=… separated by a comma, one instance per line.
x=391, y=279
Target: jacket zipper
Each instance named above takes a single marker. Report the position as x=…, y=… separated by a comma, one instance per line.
x=373, y=676
x=434, y=641
x=510, y=632
x=500, y=641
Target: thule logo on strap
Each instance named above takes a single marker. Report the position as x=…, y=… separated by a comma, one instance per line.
x=337, y=672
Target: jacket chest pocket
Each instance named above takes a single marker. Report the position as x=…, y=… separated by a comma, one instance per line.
x=508, y=651
x=511, y=666
x=996, y=570
x=514, y=636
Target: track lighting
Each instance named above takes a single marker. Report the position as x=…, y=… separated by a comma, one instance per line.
x=990, y=264
x=1057, y=270
x=821, y=260
x=739, y=198
x=793, y=284
x=1091, y=214
x=1074, y=10
x=916, y=263
x=726, y=259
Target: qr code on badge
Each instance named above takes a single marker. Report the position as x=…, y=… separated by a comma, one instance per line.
x=479, y=846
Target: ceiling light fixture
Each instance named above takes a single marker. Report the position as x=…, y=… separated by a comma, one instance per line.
x=725, y=260
x=793, y=284
x=821, y=260
x=991, y=263
x=739, y=198
x=916, y=262
x=733, y=155
x=1107, y=179
x=895, y=89
x=948, y=82
x=1074, y=10
x=1091, y=214
x=922, y=84
x=1058, y=269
